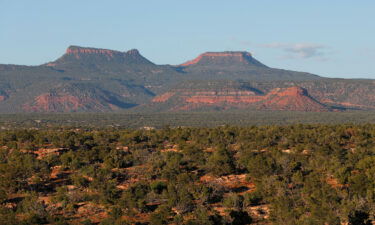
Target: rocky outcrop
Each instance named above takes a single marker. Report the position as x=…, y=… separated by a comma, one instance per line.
x=49, y=102
x=70, y=102
x=228, y=97
x=163, y=98
x=289, y=99
x=83, y=56
x=292, y=99
x=76, y=50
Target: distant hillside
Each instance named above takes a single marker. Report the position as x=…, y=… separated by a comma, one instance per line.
x=235, y=95
x=237, y=66
x=101, y=80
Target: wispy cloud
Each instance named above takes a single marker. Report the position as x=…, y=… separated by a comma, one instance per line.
x=300, y=50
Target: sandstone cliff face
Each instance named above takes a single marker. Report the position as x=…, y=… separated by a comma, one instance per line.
x=229, y=97
x=291, y=99
x=66, y=103
x=163, y=98
x=49, y=102
x=77, y=51
x=73, y=101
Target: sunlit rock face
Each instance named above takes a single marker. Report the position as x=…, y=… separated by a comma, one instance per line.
x=291, y=99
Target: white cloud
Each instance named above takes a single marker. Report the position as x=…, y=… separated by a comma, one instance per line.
x=300, y=50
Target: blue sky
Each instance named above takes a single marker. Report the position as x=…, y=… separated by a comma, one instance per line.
x=331, y=38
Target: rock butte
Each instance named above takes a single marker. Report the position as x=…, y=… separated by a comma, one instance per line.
x=78, y=51
x=89, y=51
x=119, y=80
x=239, y=56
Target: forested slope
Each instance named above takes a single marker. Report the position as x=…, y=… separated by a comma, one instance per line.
x=297, y=174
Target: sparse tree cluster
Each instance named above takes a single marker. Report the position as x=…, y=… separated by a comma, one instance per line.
x=297, y=174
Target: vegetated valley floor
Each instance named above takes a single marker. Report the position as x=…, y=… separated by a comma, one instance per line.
x=186, y=119
x=291, y=174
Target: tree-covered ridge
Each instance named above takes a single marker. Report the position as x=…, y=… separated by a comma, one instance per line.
x=296, y=174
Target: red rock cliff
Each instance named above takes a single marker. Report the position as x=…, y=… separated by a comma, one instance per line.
x=77, y=52
x=291, y=99
x=63, y=102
